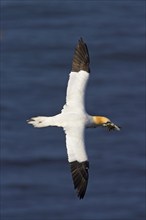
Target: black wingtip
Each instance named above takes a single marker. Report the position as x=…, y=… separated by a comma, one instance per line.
x=80, y=177
x=81, y=58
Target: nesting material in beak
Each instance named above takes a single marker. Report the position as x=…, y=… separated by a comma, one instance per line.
x=112, y=126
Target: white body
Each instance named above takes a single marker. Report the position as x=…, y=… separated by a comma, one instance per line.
x=73, y=117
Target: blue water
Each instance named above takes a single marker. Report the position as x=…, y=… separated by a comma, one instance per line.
x=37, y=44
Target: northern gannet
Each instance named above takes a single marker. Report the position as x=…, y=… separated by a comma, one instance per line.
x=74, y=119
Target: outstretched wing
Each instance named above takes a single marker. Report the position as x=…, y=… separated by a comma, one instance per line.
x=78, y=78
x=77, y=158
x=81, y=58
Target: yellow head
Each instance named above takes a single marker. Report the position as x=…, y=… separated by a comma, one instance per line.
x=104, y=121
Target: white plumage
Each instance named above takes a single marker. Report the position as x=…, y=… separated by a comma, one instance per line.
x=74, y=119
x=76, y=91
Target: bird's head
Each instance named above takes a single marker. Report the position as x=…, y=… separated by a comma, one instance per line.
x=105, y=122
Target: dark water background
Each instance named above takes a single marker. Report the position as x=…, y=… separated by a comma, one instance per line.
x=38, y=39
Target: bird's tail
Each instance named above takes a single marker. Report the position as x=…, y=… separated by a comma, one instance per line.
x=41, y=121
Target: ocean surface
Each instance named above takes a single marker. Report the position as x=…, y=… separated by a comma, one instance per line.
x=37, y=45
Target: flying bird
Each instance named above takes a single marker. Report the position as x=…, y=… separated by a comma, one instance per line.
x=73, y=118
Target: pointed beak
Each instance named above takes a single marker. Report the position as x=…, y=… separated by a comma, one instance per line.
x=112, y=126
x=115, y=127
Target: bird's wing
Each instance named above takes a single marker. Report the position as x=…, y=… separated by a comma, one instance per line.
x=78, y=78
x=77, y=158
